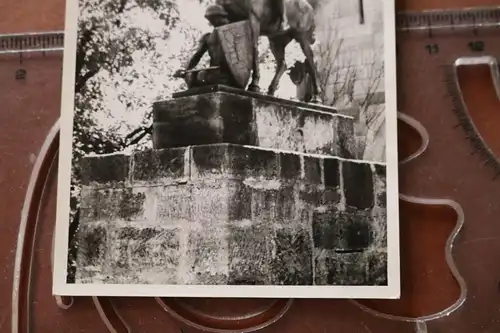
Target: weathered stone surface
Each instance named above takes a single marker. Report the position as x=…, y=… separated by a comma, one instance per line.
x=232, y=161
x=210, y=202
x=234, y=214
x=313, y=170
x=331, y=196
x=249, y=253
x=173, y=205
x=232, y=116
x=93, y=241
x=292, y=264
x=319, y=136
x=354, y=232
x=207, y=255
x=285, y=204
x=319, y=196
x=342, y=231
x=358, y=185
x=377, y=268
x=380, y=170
x=379, y=228
x=311, y=195
x=340, y=269
x=324, y=225
x=240, y=202
x=132, y=204
x=264, y=203
x=128, y=255
x=149, y=246
x=113, y=203
x=202, y=119
x=348, y=146
x=241, y=161
x=155, y=165
x=105, y=169
x=380, y=186
x=290, y=166
x=252, y=163
x=208, y=160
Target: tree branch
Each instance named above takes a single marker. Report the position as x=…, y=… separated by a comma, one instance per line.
x=122, y=5
x=81, y=51
x=82, y=80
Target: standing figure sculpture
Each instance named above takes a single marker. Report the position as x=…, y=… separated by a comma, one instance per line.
x=268, y=18
x=219, y=71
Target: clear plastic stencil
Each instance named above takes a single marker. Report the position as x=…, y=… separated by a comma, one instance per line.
x=450, y=248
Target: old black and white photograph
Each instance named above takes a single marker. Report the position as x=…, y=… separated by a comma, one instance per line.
x=228, y=148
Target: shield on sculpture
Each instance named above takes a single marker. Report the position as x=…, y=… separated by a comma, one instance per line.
x=236, y=42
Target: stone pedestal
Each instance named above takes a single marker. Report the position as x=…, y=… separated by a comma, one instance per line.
x=228, y=214
x=222, y=114
x=250, y=210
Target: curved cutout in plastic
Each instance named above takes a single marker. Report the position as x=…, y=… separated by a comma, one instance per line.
x=480, y=126
x=415, y=140
x=217, y=324
x=27, y=229
x=439, y=209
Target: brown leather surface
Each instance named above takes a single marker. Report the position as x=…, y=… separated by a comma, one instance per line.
x=31, y=15
x=447, y=169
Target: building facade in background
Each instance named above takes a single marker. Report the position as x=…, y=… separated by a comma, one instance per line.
x=350, y=49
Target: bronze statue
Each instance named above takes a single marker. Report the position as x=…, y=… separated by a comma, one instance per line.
x=266, y=18
x=219, y=71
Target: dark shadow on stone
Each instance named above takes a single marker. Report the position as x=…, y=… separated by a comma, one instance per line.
x=355, y=235
x=358, y=185
x=209, y=158
x=152, y=164
x=104, y=169
x=312, y=170
x=237, y=113
x=331, y=169
x=260, y=96
x=132, y=204
x=289, y=166
x=247, y=162
x=325, y=229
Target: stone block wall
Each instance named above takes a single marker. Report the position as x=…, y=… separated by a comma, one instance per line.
x=231, y=214
x=226, y=117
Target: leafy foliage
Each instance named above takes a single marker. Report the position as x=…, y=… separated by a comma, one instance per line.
x=109, y=35
x=113, y=36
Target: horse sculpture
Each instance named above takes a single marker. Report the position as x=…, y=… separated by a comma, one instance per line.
x=302, y=80
x=267, y=18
